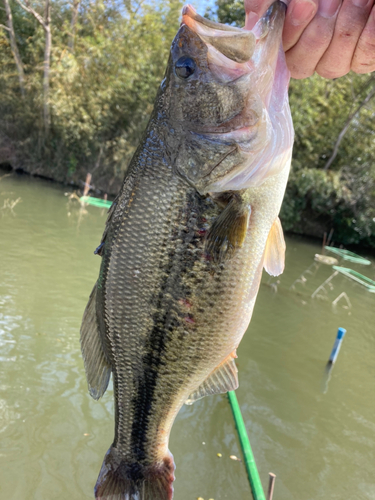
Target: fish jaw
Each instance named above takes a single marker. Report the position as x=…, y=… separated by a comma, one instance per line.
x=275, y=138
x=252, y=138
x=235, y=44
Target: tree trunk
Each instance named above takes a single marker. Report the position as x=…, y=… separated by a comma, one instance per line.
x=14, y=47
x=349, y=120
x=73, y=24
x=46, y=23
x=46, y=66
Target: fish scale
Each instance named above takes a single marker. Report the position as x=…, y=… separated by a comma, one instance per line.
x=165, y=259
x=181, y=259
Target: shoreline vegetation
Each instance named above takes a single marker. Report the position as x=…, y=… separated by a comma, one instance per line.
x=77, y=86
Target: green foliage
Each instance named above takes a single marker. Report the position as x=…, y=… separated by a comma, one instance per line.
x=102, y=94
x=228, y=12
x=344, y=200
x=342, y=197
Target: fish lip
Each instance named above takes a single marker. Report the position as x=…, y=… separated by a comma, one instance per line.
x=275, y=11
x=237, y=45
x=188, y=10
x=269, y=17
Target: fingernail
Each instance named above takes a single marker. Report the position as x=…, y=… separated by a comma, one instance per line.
x=302, y=12
x=360, y=3
x=251, y=20
x=328, y=8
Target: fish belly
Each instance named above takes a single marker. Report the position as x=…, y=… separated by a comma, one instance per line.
x=172, y=315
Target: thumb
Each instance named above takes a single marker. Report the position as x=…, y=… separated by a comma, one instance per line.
x=254, y=9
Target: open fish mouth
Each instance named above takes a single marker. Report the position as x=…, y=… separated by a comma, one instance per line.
x=249, y=67
x=244, y=57
x=234, y=43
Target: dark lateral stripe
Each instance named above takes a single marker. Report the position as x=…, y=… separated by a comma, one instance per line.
x=163, y=323
x=166, y=321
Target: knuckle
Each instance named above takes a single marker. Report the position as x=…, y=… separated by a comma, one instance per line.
x=364, y=56
x=317, y=41
x=299, y=73
x=367, y=46
x=327, y=71
x=349, y=30
x=363, y=66
x=364, y=69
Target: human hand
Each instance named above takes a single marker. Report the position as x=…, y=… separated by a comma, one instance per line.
x=330, y=37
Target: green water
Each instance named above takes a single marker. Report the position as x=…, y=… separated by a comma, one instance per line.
x=317, y=436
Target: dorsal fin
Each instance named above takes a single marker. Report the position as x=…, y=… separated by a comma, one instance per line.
x=274, y=253
x=223, y=379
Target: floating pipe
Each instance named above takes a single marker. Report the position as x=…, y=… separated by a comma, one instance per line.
x=337, y=345
x=251, y=468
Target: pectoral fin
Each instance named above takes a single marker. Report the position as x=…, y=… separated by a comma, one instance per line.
x=228, y=231
x=98, y=370
x=274, y=254
x=223, y=379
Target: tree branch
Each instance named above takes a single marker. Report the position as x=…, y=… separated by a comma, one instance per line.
x=14, y=47
x=4, y=27
x=346, y=126
x=31, y=11
x=73, y=22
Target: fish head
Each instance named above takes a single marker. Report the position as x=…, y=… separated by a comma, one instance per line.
x=225, y=101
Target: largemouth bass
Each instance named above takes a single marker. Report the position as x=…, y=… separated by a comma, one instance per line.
x=185, y=242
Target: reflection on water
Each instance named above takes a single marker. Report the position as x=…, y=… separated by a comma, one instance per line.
x=315, y=434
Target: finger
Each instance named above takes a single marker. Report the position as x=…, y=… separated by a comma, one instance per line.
x=364, y=55
x=253, y=10
x=257, y=6
x=298, y=16
x=303, y=58
x=350, y=23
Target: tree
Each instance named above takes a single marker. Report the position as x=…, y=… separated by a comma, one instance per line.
x=352, y=115
x=45, y=22
x=17, y=59
x=73, y=23
x=332, y=181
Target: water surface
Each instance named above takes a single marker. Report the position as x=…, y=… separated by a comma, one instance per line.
x=317, y=435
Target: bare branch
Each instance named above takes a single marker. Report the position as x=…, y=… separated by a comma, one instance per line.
x=351, y=116
x=73, y=22
x=14, y=47
x=31, y=11
x=46, y=23
x=4, y=27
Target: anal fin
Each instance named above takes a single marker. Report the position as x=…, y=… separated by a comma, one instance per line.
x=274, y=254
x=98, y=370
x=223, y=379
x=228, y=231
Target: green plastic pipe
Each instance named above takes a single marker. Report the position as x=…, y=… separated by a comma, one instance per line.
x=251, y=468
x=96, y=202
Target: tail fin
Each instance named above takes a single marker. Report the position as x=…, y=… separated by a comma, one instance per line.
x=120, y=480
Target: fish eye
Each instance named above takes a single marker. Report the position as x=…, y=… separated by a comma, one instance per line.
x=185, y=67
